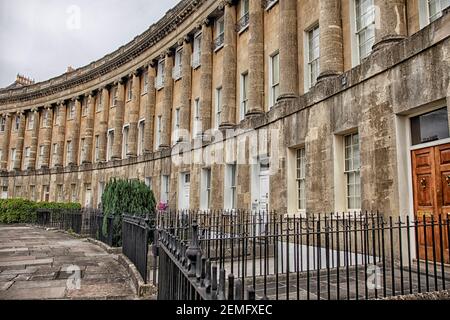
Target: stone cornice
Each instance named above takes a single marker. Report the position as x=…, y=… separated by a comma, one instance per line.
x=158, y=31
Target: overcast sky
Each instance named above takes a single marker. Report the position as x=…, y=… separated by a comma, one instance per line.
x=41, y=38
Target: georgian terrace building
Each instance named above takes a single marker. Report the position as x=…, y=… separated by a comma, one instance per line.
x=347, y=98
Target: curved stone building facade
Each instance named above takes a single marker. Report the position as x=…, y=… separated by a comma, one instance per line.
x=288, y=105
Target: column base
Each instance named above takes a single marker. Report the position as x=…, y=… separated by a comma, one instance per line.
x=226, y=126
x=163, y=148
x=386, y=42
x=287, y=96
x=328, y=75
x=253, y=113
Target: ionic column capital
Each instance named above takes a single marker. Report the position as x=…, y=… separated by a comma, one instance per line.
x=6, y=115
x=35, y=109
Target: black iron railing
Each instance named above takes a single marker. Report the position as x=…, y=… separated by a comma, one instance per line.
x=243, y=22
x=186, y=274
x=63, y=219
x=135, y=242
x=219, y=41
x=316, y=257
x=100, y=231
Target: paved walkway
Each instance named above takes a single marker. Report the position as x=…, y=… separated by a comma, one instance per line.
x=39, y=264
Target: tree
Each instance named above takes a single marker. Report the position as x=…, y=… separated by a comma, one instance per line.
x=126, y=197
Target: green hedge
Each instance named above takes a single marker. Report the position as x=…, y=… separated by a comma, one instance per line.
x=24, y=211
x=126, y=197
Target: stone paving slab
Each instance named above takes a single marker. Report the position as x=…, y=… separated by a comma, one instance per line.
x=34, y=263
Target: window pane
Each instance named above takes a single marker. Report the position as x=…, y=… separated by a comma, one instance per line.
x=430, y=127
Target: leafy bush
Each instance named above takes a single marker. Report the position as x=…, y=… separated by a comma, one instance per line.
x=126, y=197
x=24, y=211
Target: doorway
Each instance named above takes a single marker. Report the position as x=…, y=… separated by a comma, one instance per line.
x=185, y=191
x=431, y=188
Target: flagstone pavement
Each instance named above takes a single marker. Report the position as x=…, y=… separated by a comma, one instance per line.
x=37, y=264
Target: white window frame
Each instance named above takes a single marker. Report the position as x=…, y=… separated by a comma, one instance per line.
x=68, y=151
x=424, y=12
x=158, y=132
x=311, y=62
x=141, y=135
x=125, y=135
x=130, y=90
x=71, y=110
x=83, y=149
x=114, y=97
x=219, y=26
x=218, y=109
x=96, y=148
x=2, y=124
x=196, y=118
x=17, y=123
x=230, y=195
x=31, y=121
x=165, y=188
x=13, y=158
x=244, y=95
x=99, y=102
x=41, y=154
x=352, y=171
x=109, y=144
x=273, y=85
x=176, y=126
x=27, y=152
x=178, y=64
x=301, y=179
x=145, y=83
x=197, y=51
x=149, y=182
x=160, y=76
x=205, y=195
x=356, y=46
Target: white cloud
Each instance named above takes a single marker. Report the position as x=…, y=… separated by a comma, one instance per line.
x=39, y=38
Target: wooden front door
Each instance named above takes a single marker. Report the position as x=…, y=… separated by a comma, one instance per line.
x=431, y=184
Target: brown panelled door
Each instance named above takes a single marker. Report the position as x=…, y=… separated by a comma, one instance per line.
x=431, y=184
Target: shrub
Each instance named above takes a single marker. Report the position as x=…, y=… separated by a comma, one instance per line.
x=24, y=211
x=126, y=197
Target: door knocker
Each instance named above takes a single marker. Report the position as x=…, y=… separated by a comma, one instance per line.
x=423, y=183
x=447, y=179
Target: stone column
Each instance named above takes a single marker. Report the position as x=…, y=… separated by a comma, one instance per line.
x=31, y=164
x=134, y=115
x=256, y=58
x=206, y=76
x=89, y=134
x=229, y=67
x=5, y=142
x=331, y=41
x=47, y=130
x=390, y=17
x=186, y=87
x=59, y=161
x=167, y=102
x=73, y=160
x=103, y=131
x=118, y=121
x=150, y=110
x=288, y=50
x=20, y=141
